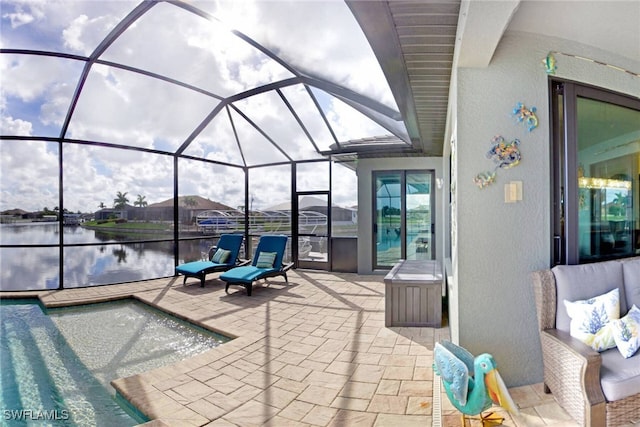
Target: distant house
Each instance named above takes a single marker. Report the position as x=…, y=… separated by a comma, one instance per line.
x=188, y=208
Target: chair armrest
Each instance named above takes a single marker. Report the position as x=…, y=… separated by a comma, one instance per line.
x=287, y=266
x=242, y=262
x=572, y=372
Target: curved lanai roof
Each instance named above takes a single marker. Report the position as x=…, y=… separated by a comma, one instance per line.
x=240, y=83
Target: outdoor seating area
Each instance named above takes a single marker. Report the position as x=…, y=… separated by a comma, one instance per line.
x=267, y=262
x=222, y=257
x=313, y=352
x=596, y=387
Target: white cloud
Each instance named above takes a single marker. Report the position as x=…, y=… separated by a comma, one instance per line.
x=11, y=126
x=121, y=107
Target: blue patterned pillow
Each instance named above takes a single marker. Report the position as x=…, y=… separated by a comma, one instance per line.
x=626, y=332
x=221, y=256
x=591, y=319
x=266, y=259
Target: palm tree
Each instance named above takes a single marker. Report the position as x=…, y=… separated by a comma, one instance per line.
x=120, y=201
x=189, y=202
x=141, y=202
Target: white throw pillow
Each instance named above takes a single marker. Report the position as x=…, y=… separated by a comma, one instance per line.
x=626, y=332
x=591, y=319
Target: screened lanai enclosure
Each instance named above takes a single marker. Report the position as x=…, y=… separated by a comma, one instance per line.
x=135, y=133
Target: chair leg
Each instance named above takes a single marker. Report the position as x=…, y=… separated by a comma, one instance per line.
x=249, y=287
x=184, y=282
x=226, y=288
x=202, y=281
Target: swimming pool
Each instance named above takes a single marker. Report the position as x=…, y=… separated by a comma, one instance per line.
x=55, y=368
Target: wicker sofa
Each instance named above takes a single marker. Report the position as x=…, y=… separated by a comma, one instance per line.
x=596, y=389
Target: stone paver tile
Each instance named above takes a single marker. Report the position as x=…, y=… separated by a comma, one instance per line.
x=245, y=392
x=294, y=386
x=260, y=379
x=342, y=368
x=380, y=350
x=388, y=404
x=323, y=356
x=272, y=366
x=387, y=420
x=424, y=361
x=416, y=388
x=206, y=409
x=320, y=416
x=367, y=358
x=173, y=382
x=296, y=410
x=293, y=372
x=334, y=345
x=368, y=373
x=220, y=422
x=251, y=413
x=184, y=417
x=227, y=403
x=224, y=384
x=401, y=350
x=552, y=413
x=193, y=390
x=299, y=348
x=398, y=360
x=358, y=390
x=318, y=395
x=353, y=418
x=423, y=374
x=291, y=358
x=419, y=405
x=398, y=373
x=334, y=381
x=528, y=417
x=279, y=421
x=388, y=342
x=204, y=374
x=525, y=396
x=313, y=365
x=350, y=403
x=389, y=387
x=277, y=397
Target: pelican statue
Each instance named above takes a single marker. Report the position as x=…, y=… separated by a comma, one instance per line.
x=473, y=385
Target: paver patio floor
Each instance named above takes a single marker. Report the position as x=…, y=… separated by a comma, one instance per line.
x=311, y=352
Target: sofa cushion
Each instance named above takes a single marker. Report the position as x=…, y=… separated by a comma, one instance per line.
x=631, y=271
x=580, y=282
x=619, y=377
x=591, y=319
x=626, y=332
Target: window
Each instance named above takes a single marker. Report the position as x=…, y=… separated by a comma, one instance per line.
x=596, y=146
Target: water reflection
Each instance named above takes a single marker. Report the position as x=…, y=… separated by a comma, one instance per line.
x=27, y=268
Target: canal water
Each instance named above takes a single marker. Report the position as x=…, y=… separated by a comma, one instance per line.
x=103, y=258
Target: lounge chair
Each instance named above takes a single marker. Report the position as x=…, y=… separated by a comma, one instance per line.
x=267, y=262
x=221, y=258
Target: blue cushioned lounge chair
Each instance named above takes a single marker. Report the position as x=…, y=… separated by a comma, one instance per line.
x=221, y=258
x=267, y=262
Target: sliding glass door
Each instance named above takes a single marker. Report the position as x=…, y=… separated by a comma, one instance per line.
x=597, y=167
x=403, y=223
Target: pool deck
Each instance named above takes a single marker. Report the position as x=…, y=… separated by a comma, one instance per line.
x=313, y=352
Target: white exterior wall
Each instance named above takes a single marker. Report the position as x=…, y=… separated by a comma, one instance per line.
x=364, y=171
x=497, y=244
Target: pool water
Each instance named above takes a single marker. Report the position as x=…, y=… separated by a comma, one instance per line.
x=55, y=368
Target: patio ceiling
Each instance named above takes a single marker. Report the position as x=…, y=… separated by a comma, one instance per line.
x=418, y=43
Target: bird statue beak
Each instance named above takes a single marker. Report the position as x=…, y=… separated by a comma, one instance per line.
x=499, y=392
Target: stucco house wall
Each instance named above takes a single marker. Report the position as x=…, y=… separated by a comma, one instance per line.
x=498, y=244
